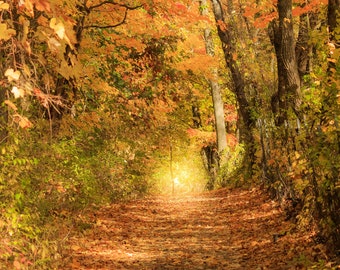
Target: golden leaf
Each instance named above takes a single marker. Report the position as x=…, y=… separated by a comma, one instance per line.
x=287, y=20
x=25, y=123
x=53, y=44
x=17, y=265
x=58, y=28
x=28, y=5
x=75, y=247
x=11, y=105
x=26, y=70
x=42, y=5
x=12, y=75
x=4, y=6
x=17, y=92
x=22, y=121
x=332, y=60
x=6, y=33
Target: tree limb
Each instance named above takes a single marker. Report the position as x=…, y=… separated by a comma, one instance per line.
x=127, y=7
x=108, y=26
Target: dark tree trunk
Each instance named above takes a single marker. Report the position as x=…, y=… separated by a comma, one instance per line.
x=333, y=9
x=332, y=194
x=228, y=45
x=289, y=89
x=303, y=49
x=196, y=116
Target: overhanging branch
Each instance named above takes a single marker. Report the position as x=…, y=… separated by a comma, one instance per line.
x=127, y=7
x=108, y=26
x=108, y=2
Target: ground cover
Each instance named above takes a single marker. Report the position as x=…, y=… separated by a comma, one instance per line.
x=225, y=229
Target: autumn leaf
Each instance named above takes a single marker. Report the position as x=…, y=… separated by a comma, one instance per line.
x=42, y=5
x=287, y=20
x=28, y=5
x=16, y=265
x=17, y=92
x=75, y=264
x=11, y=105
x=58, y=28
x=332, y=61
x=12, y=75
x=234, y=56
x=22, y=121
x=222, y=25
x=4, y=6
x=75, y=247
x=6, y=33
x=53, y=44
x=25, y=123
x=331, y=47
x=27, y=47
x=26, y=70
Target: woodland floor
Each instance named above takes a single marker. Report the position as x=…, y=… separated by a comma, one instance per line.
x=226, y=229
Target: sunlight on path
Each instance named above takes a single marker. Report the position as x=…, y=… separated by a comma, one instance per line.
x=221, y=230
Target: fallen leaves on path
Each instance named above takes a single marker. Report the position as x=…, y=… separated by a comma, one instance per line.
x=227, y=229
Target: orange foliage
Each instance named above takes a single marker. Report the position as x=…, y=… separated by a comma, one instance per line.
x=266, y=11
x=205, y=138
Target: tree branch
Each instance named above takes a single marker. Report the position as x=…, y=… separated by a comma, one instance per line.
x=108, y=26
x=110, y=2
x=127, y=7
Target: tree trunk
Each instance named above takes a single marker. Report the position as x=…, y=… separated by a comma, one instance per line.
x=228, y=40
x=289, y=89
x=333, y=9
x=218, y=103
x=332, y=194
x=303, y=48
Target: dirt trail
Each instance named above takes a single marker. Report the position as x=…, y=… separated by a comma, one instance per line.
x=228, y=229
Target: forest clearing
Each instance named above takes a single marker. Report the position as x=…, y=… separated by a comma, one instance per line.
x=113, y=112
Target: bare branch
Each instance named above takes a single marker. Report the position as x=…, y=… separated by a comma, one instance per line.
x=108, y=26
x=127, y=7
x=110, y=2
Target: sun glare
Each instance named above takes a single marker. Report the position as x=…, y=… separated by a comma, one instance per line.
x=189, y=176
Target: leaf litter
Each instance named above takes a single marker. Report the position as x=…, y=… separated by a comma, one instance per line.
x=224, y=229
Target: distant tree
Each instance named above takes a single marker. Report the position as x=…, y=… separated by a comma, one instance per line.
x=215, y=90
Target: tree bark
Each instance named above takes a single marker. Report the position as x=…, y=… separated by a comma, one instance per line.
x=334, y=42
x=303, y=48
x=333, y=9
x=218, y=103
x=229, y=50
x=331, y=198
x=228, y=40
x=289, y=89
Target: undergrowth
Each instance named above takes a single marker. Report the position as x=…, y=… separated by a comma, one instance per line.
x=46, y=184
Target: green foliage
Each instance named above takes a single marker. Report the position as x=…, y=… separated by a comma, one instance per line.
x=230, y=173
x=44, y=183
x=302, y=159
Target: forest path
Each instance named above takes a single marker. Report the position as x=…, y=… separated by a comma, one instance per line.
x=226, y=229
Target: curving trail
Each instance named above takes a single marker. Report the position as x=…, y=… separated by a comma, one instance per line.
x=227, y=229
